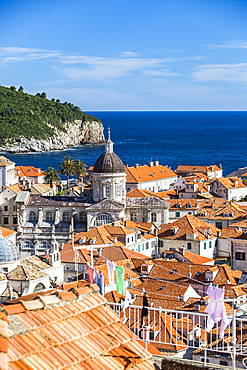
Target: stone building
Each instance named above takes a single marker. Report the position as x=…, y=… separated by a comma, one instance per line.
x=41, y=218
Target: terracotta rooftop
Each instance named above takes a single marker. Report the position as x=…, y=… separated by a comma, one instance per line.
x=202, y=169
x=5, y=161
x=231, y=182
x=191, y=257
x=68, y=330
x=15, y=188
x=146, y=173
x=6, y=232
x=28, y=171
x=139, y=193
x=188, y=224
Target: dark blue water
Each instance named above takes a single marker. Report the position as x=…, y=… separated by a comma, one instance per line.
x=173, y=138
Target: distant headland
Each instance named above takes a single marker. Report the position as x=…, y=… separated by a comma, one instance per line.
x=31, y=123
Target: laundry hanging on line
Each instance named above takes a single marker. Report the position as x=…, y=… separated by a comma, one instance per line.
x=90, y=272
x=216, y=310
x=111, y=268
x=129, y=299
x=120, y=279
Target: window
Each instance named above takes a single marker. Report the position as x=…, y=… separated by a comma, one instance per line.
x=147, y=245
x=15, y=220
x=5, y=208
x=5, y=220
x=210, y=244
x=132, y=239
x=133, y=216
x=143, y=246
x=128, y=240
x=207, y=360
x=177, y=214
x=118, y=191
x=218, y=225
x=189, y=213
x=107, y=191
x=44, y=245
x=5, y=269
x=32, y=216
x=153, y=217
x=65, y=216
x=205, y=245
x=103, y=219
x=27, y=245
x=14, y=208
x=48, y=216
x=189, y=246
x=224, y=363
x=139, y=248
x=83, y=217
x=240, y=256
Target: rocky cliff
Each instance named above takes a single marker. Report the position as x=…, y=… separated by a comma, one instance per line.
x=74, y=133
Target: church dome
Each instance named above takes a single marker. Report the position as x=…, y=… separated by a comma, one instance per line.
x=8, y=251
x=109, y=163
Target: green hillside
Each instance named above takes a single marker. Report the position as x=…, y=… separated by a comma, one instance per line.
x=26, y=115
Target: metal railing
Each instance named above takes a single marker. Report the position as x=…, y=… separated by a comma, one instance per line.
x=185, y=331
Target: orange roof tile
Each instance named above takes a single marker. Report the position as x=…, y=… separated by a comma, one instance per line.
x=231, y=182
x=28, y=171
x=188, y=225
x=83, y=333
x=147, y=173
x=6, y=232
x=202, y=169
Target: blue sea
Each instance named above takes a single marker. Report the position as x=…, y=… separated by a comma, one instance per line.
x=173, y=138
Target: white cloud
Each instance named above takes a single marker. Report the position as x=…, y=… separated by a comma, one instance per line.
x=221, y=72
x=230, y=45
x=128, y=54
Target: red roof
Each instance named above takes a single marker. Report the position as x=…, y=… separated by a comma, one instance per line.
x=65, y=330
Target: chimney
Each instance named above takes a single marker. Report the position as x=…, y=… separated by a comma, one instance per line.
x=151, y=164
x=136, y=165
x=100, y=252
x=181, y=250
x=156, y=163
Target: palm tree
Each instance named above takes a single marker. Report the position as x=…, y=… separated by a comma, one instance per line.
x=66, y=167
x=51, y=175
x=80, y=167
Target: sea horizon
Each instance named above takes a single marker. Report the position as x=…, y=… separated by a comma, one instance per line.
x=172, y=137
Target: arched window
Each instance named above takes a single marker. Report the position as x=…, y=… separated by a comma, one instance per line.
x=32, y=216
x=103, y=219
x=27, y=245
x=153, y=217
x=39, y=287
x=66, y=216
x=44, y=245
x=49, y=216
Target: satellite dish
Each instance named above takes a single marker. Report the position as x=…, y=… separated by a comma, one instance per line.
x=128, y=265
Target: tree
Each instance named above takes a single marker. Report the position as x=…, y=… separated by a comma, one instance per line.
x=66, y=167
x=21, y=89
x=43, y=95
x=13, y=88
x=80, y=168
x=51, y=175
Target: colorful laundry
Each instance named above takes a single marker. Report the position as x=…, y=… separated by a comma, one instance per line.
x=111, y=268
x=120, y=279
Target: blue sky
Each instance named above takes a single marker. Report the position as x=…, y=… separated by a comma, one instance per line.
x=128, y=55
